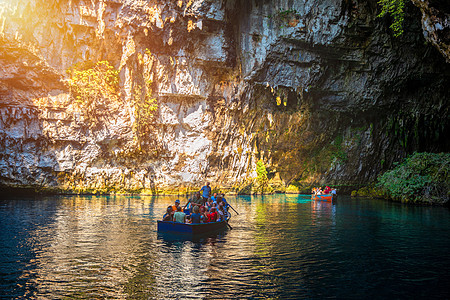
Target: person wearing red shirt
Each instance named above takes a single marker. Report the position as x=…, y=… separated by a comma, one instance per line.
x=212, y=216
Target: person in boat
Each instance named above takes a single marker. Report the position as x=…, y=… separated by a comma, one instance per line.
x=225, y=203
x=175, y=207
x=168, y=216
x=222, y=212
x=197, y=200
x=206, y=191
x=209, y=204
x=203, y=213
x=214, y=197
x=218, y=200
x=212, y=216
x=327, y=190
x=333, y=191
x=179, y=216
x=196, y=217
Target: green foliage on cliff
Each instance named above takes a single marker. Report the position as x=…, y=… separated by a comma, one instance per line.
x=261, y=174
x=93, y=86
x=337, y=150
x=396, y=9
x=422, y=177
x=145, y=107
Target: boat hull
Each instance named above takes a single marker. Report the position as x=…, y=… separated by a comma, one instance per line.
x=326, y=197
x=190, y=229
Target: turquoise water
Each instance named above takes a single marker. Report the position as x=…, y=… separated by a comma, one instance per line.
x=280, y=247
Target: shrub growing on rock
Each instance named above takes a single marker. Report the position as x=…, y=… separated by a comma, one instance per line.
x=262, y=179
x=396, y=9
x=422, y=177
x=94, y=86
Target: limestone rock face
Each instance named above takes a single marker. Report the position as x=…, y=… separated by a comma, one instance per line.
x=436, y=24
x=319, y=90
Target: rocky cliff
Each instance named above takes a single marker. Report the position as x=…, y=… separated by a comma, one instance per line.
x=319, y=90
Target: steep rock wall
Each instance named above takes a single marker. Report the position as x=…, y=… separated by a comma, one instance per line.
x=319, y=90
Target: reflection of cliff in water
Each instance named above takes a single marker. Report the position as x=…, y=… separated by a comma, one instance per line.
x=186, y=264
x=89, y=248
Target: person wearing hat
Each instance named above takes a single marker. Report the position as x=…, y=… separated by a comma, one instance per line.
x=175, y=207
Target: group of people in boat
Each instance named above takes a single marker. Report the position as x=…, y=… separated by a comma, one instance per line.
x=327, y=190
x=201, y=208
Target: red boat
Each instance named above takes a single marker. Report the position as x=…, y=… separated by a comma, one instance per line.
x=324, y=197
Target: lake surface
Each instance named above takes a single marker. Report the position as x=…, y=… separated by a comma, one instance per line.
x=280, y=247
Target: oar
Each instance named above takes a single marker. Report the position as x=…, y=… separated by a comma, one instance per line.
x=233, y=209
x=231, y=228
x=187, y=204
x=189, y=199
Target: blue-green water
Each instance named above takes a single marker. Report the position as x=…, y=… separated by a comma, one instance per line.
x=281, y=247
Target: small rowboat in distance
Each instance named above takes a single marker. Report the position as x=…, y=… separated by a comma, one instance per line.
x=324, y=197
x=190, y=229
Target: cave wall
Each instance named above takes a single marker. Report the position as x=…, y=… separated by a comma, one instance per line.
x=319, y=90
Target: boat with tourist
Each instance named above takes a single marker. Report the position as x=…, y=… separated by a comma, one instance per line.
x=202, y=215
x=328, y=194
x=191, y=229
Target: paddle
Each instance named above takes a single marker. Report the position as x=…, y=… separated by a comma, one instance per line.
x=187, y=204
x=231, y=228
x=233, y=209
x=189, y=199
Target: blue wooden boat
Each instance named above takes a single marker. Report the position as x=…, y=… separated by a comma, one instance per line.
x=190, y=229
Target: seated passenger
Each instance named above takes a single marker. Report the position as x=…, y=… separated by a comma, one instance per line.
x=196, y=217
x=225, y=203
x=179, y=216
x=218, y=200
x=175, y=207
x=197, y=200
x=203, y=213
x=209, y=204
x=212, y=216
x=214, y=197
x=222, y=213
x=168, y=216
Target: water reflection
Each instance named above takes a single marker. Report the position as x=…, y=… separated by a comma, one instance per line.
x=91, y=246
x=281, y=246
